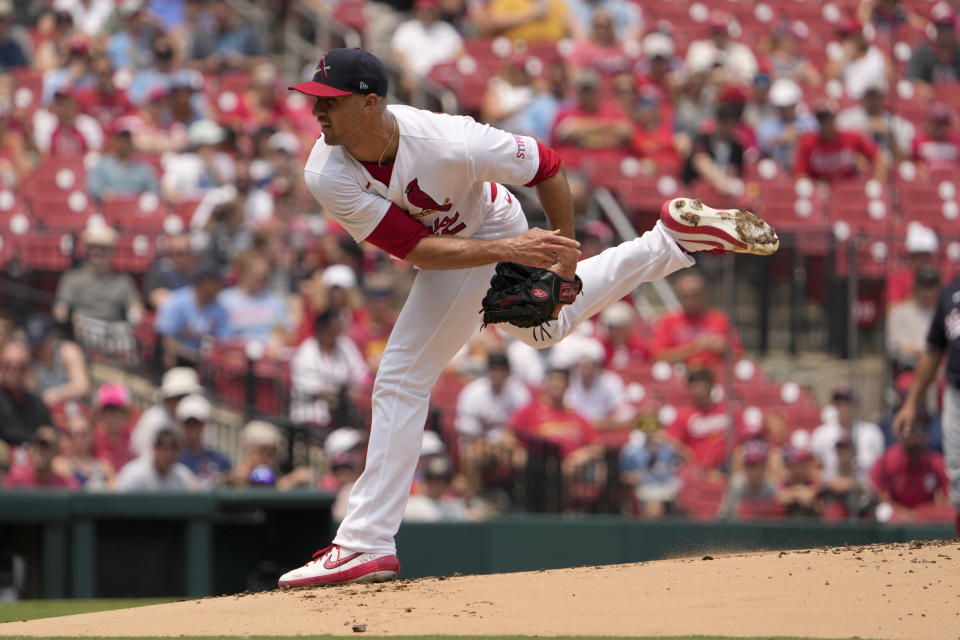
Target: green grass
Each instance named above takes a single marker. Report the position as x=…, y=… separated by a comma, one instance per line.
x=32, y=609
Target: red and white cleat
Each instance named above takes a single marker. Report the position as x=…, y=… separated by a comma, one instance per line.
x=697, y=227
x=336, y=565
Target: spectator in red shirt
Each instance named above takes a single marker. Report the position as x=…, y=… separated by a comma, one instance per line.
x=113, y=423
x=62, y=131
x=259, y=106
x=591, y=123
x=44, y=468
x=548, y=419
x=910, y=474
x=601, y=51
x=653, y=137
x=939, y=148
x=694, y=334
x=370, y=331
x=832, y=154
x=700, y=429
x=798, y=495
x=621, y=343
x=104, y=101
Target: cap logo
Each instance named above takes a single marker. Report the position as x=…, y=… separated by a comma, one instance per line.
x=363, y=86
x=323, y=67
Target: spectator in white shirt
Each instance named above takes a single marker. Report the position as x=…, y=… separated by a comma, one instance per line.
x=324, y=371
x=908, y=321
x=410, y=38
x=867, y=438
x=158, y=471
x=177, y=384
x=734, y=60
x=190, y=175
x=596, y=393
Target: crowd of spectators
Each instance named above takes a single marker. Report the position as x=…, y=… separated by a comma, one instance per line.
x=178, y=107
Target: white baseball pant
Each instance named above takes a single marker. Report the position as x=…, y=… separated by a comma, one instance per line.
x=440, y=315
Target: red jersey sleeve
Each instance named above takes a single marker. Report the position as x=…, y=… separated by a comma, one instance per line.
x=397, y=233
x=878, y=476
x=549, y=165
x=660, y=338
x=866, y=146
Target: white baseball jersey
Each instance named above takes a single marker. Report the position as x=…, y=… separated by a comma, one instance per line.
x=445, y=176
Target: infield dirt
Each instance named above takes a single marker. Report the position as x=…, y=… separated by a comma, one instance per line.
x=900, y=591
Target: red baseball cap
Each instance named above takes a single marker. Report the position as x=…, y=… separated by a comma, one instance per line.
x=343, y=72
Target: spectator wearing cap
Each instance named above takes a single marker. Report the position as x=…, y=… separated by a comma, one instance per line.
x=156, y=75
x=751, y=492
x=254, y=203
x=171, y=271
x=59, y=366
x=95, y=291
x=701, y=429
x=861, y=64
x=158, y=470
x=596, y=393
x=261, y=105
x=484, y=407
x=659, y=67
x=155, y=130
x=207, y=464
x=191, y=174
x=784, y=57
x=325, y=371
x=508, y=93
x=344, y=449
x=622, y=345
x=118, y=174
x=224, y=41
x=868, y=443
x=798, y=494
x=92, y=472
x=435, y=499
x=601, y=50
x=12, y=53
x=922, y=245
x=176, y=384
x=937, y=62
x=333, y=287
x=43, y=468
x=716, y=157
x=939, y=148
x=846, y=492
x=723, y=58
x=758, y=107
x=129, y=46
x=113, y=423
x=260, y=442
x=22, y=412
x=910, y=474
x=192, y=314
x=832, y=154
x=653, y=137
x=779, y=133
x=908, y=321
x=186, y=100
x=873, y=118
x=695, y=334
x=62, y=130
x=591, y=123
x=104, y=101
x=415, y=60
x=648, y=467
x=255, y=312
x=371, y=330
x=72, y=70
x=531, y=21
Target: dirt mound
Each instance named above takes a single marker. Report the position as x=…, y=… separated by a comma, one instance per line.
x=909, y=591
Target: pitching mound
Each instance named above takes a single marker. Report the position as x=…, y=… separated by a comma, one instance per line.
x=909, y=591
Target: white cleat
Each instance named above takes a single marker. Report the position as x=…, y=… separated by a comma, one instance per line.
x=697, y=227
x=336, y=565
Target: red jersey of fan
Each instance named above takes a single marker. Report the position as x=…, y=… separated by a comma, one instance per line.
x=565, y=428
x=704, y=431
x=656, y=145
x=937, y=154
x=67, y=141
x=678, y=329
x=832, y=159
x=910, y=483
x=22, y=475
x=107, y=108
x=605, y=112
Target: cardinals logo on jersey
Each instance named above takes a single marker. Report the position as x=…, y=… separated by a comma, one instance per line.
x=419, y=198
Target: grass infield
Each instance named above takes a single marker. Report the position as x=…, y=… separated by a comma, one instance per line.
x=33, y=609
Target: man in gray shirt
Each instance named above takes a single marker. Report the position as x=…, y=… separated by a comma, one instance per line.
x=159, y=471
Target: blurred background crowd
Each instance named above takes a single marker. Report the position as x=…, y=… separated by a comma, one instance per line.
x=179, y=315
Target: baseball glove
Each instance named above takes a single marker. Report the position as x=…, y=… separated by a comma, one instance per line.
x=526, y=296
